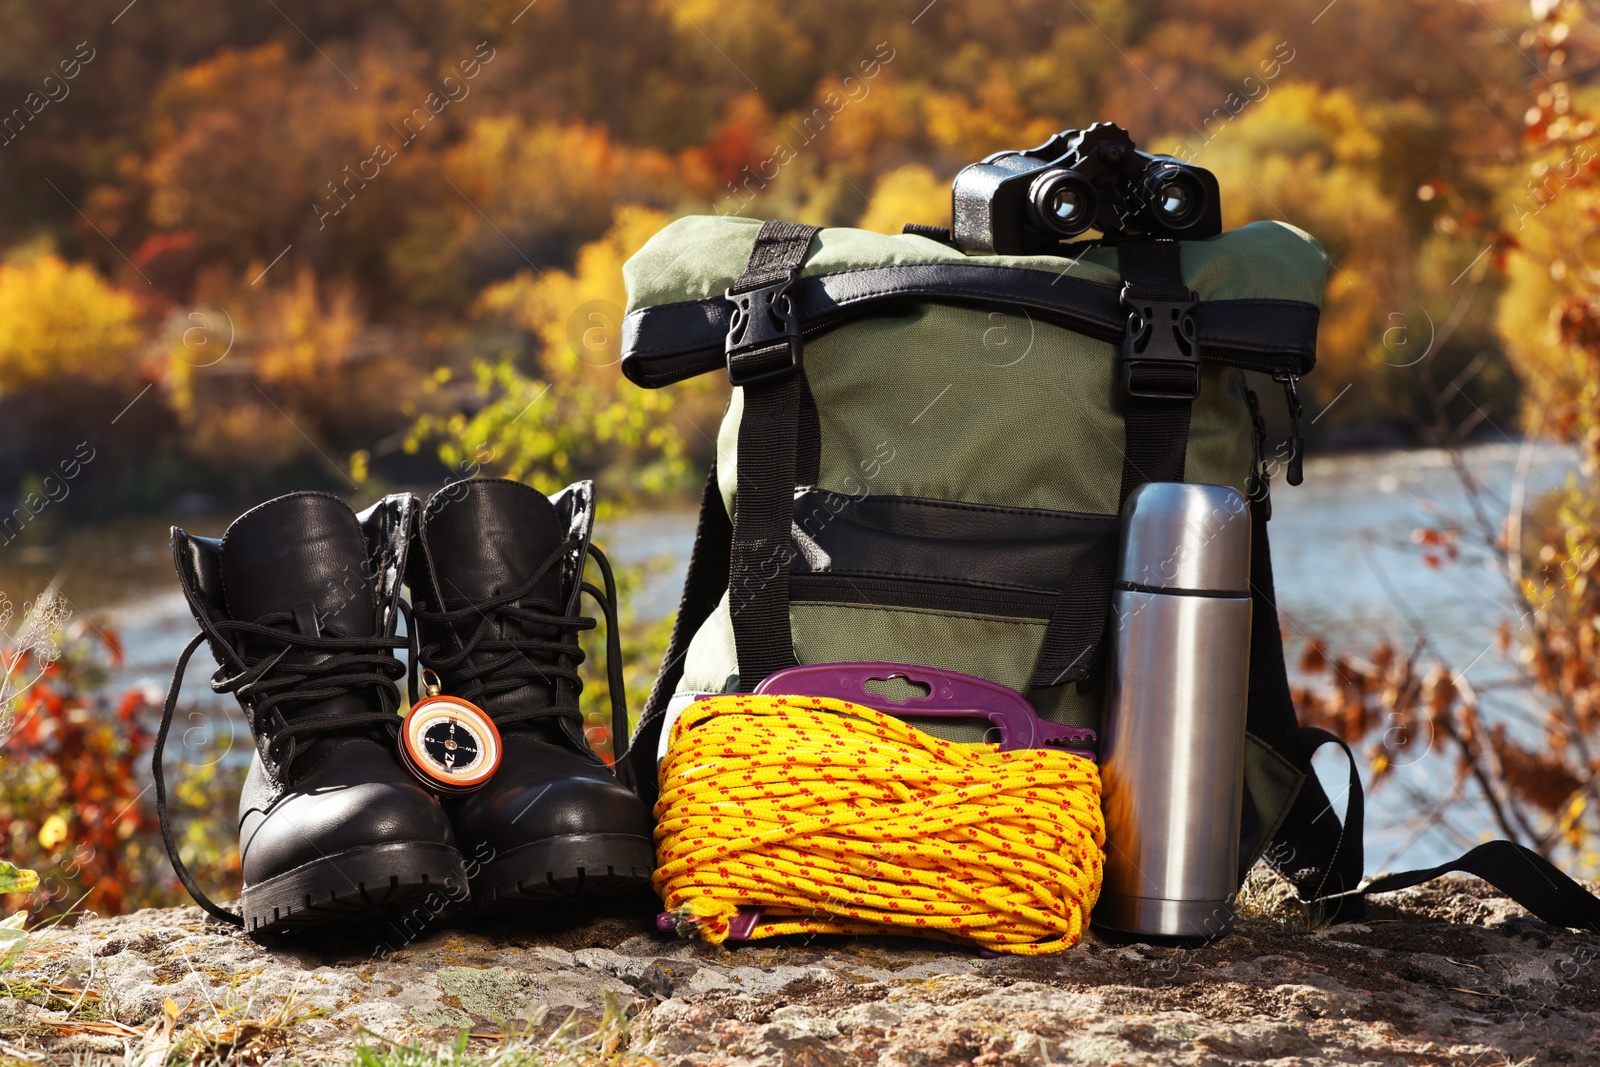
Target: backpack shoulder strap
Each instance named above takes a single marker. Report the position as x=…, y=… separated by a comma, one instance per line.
x=1321, y=854
x=1316, y=850
x=703, y=587
x=1521, y=874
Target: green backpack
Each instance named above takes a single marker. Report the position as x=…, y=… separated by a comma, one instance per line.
x=925, y=457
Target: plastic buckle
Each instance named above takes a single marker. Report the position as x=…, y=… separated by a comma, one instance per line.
x=1291, y=394
x=1160, y=347
x=1258, y=486
x=760, y=318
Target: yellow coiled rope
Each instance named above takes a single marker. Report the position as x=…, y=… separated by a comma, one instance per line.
x=833, y=818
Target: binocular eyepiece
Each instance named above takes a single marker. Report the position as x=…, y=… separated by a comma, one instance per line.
x=1028, y=202
x=1063, y=202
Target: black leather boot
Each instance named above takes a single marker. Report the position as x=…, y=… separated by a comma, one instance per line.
x=299, y=601
x=496, y=581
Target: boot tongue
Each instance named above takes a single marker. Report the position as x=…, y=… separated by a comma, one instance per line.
x=485, y=537
x=489, y=537
x=306, y=555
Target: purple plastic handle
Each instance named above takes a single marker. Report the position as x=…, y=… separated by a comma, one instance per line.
x=950, y=696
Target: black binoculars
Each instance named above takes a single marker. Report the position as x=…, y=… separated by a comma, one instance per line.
x=1031, y=202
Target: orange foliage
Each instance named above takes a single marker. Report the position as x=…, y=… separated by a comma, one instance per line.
x=90, y=806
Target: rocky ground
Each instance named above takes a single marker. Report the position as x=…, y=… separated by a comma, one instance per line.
x=1445, y=974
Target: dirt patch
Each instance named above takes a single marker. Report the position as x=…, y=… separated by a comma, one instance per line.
x=1437, y=975
x=1439, y=939
x=830, y=995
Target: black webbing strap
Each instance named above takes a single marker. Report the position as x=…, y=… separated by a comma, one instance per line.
x=1518, y=872
x=1321, y=854
x=1161, y=378
x=1324, y=859
x=667, y=343
x=808, y=446
x=764, y=360
x=1071, y=644
x=779, y=251
x=1314, y=849
x=703, y=587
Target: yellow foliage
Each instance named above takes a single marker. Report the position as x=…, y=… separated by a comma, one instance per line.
x=286, y=374
x=209, y=124
x=577, y=415
x=253, y=150
x=912, y=193
x=62, y=322
x=763, y=39
x=522, y=194
x=53, y=832
x=545, y=304
x=1300, y=120
x=1056, y=82
x=296, y=338
x=1553, y=372
x=301, y=336
x=518, y=165
x=881, y=112
x=245, y=438
x=1305, y=155
x=997, y=119
x=1556, y=266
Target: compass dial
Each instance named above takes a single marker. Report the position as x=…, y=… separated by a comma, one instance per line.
x=450, y=744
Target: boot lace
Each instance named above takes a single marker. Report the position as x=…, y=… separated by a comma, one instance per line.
x=511, y=661
x=266, y=685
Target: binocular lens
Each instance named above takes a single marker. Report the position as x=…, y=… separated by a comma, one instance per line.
x=1178, y=198
x=1066, y=206
x=1175, y=200
x=1064, y=203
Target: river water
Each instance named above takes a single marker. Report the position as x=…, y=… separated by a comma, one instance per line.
x=1348, y=568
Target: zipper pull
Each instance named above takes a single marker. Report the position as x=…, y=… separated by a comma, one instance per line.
x=1258, y=487
x=1291, y=395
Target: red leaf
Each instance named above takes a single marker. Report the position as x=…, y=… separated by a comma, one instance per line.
x=114, y=646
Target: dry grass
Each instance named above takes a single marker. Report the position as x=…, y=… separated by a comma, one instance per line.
x=567, y=1046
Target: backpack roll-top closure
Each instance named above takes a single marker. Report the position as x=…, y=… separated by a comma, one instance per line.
x=672, y=332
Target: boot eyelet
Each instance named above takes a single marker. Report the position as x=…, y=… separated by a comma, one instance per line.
x=449, y=744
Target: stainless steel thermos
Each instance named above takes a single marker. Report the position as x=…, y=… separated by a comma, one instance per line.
x=1172, y=756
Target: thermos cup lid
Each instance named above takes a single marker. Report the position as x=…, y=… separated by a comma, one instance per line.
x=1181, y=536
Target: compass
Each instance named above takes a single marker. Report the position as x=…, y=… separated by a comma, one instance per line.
x=450, y=744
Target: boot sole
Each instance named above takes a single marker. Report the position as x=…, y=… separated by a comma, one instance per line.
x=569, y=868
x=360, y=885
